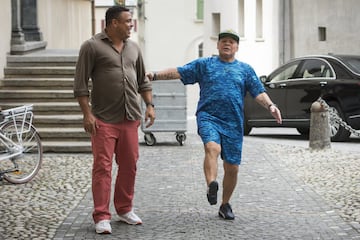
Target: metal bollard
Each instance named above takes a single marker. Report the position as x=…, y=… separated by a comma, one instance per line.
x=319, y=127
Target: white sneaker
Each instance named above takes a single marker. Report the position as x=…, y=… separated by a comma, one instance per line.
x=130, y=218
x=103, y=226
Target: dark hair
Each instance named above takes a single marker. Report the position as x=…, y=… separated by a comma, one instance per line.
x=113, y=13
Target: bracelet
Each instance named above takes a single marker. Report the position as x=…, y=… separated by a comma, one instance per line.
x=154, y=77
x=150, y=104
x=272, y=104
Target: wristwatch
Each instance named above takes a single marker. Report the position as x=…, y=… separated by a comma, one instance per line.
x=272, y=104
x=151, y=104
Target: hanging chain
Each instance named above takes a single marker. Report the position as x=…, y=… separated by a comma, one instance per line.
x=334, y=117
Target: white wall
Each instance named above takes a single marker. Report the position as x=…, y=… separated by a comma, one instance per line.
x=261, y=54
x=342, y=22
x=170, y=37
x=171, y=33
x=100, y=18
x=64, y=24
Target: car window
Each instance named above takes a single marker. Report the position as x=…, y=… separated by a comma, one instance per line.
x=352, y=62
x=315, y=68
x=285, y=73
x=341, y=72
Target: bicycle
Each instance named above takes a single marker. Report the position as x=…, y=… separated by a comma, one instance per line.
x=21, y=150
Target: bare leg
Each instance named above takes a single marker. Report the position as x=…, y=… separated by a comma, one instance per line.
x=230, y=180
x=212, y=151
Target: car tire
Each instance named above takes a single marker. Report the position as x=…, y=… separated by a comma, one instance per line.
x=337, y=132
x=303, y=131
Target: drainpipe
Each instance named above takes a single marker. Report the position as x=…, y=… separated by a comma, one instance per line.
x=93, y=17
x=286, y=35
x=281, y=32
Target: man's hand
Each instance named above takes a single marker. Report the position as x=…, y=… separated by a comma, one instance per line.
x=264, y=100
x=149, y=116
x=151, y=76
x=90, y=124
x=275, y=112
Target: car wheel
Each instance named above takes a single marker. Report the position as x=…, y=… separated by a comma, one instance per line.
x=337, y=132
x=303, y=131
x=247, y=128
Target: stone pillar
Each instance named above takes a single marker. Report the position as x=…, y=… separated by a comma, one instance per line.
x=17, y=36
x=25, y=35
x=319, y=127
x=29, y=20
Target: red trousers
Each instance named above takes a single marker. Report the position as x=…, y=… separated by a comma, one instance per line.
x=121, y=140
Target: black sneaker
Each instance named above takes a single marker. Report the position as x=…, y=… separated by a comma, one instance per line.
x=212, y=192
x=225, y=212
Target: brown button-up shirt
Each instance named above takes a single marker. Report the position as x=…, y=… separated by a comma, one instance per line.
x=117, y=78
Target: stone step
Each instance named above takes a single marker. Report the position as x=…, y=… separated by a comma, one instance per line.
x=47, y=95
x=48, y=57
x=45, y=79
x=63, y=133
x=37, y=83
x=47, y=121
x=48, y=108
x=42, y=64
x=39, y=72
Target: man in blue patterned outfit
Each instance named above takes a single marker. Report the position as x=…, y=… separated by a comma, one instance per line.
x=223, y=82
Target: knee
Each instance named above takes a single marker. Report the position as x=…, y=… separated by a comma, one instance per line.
x=212, y=148
x=231, y=168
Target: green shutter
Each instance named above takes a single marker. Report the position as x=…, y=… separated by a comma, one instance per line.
x=119, y=2
x=200, y=9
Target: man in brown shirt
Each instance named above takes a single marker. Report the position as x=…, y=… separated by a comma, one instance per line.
x=116, y=68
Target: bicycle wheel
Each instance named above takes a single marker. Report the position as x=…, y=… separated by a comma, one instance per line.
x=28, y=163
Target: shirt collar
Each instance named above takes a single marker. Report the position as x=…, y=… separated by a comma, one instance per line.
x=103, y=35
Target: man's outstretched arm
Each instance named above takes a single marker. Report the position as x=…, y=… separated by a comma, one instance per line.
x=167, y=74
x=264, y=100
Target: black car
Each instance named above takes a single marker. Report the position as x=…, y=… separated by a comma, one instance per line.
x=295, y=85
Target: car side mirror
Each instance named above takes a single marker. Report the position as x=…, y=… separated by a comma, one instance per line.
x=263, y=78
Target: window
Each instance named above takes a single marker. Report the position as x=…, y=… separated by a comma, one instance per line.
x=259, y=19
x=215, y=24
x=201, y=50
x=315, y=68
x=241, y=14
x=200, y=10
x=285, y=73
x=322, y=34
x=119, y=2
x=352, y=62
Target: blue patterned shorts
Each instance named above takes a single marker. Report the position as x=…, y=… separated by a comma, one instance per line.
x=231, y=148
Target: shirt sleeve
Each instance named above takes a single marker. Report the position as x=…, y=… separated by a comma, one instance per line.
x=143, y=81
x=84, y=66
x=191, y=72
x=253, y=83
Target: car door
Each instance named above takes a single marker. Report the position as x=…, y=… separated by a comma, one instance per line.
x=306, y=88
x=275, y=86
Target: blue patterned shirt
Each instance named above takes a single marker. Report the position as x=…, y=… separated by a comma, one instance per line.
x=223, y=86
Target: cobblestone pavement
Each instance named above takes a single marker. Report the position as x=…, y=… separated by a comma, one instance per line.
x=283, y=192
